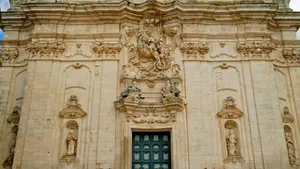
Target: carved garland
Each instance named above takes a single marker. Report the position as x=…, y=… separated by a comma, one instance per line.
x=255, y=49
x=105, y=49
x=8, y=55
x=292, y=56
x=45, y=49
x=194, y=50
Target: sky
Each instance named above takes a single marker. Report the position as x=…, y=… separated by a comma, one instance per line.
x=294, y=4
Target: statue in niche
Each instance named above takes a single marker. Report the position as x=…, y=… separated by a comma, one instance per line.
x=170, y=91
x=71, y=144
x=290, y=147
x=132, y=92
x=9, y=160
x=231, y=142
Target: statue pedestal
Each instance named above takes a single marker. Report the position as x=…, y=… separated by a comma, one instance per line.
x=233, y=166
x=68, y=162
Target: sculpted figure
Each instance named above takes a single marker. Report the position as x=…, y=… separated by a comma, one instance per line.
x=130, y=88
x=9, y=160
x=231, y=142
x=169, y=91
x=71, y=144
x=290, y=148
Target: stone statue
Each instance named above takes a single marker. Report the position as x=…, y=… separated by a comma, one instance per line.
x=231, y=142
x=130, y=88
x=71, y=144
x=170, y=91
x=290, y=148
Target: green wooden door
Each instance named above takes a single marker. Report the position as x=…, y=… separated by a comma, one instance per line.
x=151, y=150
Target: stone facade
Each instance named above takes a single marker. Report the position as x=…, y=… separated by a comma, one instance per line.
x=78, y=78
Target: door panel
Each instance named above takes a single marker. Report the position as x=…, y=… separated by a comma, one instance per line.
x=151, y=150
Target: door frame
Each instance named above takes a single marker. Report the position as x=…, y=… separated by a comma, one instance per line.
x=148, y=128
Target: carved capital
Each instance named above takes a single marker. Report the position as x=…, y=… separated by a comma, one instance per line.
x=255, y=49
x=287, y=117
x=194, y=50
x=73, y=109
x=292, y=56
x=45, y=49
x=105, y=49
x=229, y=110
x=8, y=55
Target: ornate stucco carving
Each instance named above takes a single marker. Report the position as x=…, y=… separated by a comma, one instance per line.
x=150, y=55
x=287, y=117
x=255, y=49
x=106, y=49
x=292, y=56
x=15, y=115
x=45, y=49
x=137, y=111
x=73, y=109
x=194, y=49
x=229, y=110
x=8, y=55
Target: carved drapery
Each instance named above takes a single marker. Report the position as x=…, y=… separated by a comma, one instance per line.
x=45, y=49
x=106, y=49
x=194, y=49
x=73, y=109
x=292, y=56
x=255, y=49
x=8, y=55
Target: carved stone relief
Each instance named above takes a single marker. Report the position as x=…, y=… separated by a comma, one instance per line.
x=194, y=50
x=45, y=49
x=13, y=119
x=73, y=109
x=292, y=56
x=229, y=110
x=8, y=55
x=287, y=117
x=150, y=56
x=106, y=49
x=255, y=49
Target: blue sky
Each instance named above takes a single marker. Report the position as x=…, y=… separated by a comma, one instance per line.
x=4, y=5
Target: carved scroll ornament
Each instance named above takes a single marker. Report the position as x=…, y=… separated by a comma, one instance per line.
x=255, y=49
x=229, y=110
x=287, y=117
x=73, y=109
x=292, y=56
x=45, y=49
x=194, y=50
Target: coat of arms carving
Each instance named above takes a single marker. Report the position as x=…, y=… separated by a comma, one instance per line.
x=150, y=56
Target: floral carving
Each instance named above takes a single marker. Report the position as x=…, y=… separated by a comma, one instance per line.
x=194, y=50
x=73, y=109
x=8, y=55
x=255, y=49
x=105, y=49
x=291, y=55
x=151, y=116
x=229, y=110
x=150, y=57
x=45, y=49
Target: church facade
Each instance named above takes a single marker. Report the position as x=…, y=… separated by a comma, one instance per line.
x=150, y=84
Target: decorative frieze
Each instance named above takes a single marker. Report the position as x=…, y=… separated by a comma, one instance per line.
x=194, y=50
x=45, y=49
x=292, y=56
x=8, y=55
x=255, y=49
x=106, y=49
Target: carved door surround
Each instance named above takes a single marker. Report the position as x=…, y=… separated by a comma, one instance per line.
x=143, y=115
